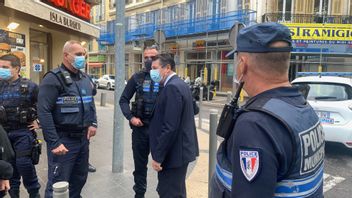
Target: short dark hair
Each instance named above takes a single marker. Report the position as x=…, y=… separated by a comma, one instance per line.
x=166, y=59
x=15, y=61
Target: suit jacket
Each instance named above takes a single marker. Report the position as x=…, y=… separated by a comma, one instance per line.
x=172, y=131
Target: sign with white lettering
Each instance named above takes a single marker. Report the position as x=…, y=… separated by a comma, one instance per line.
x=312, y=149
x=62, y=20
x=41, y=10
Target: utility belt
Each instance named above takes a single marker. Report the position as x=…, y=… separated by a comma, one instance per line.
x=34, y=153
x=72, y=132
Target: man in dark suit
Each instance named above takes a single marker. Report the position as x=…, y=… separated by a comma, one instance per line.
x=173, y=138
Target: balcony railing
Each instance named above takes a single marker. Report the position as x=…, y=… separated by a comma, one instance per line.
x=306, y=18
x=186, y=27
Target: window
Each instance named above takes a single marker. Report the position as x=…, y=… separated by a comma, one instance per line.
x=100, y=12
x=247, y=4
x=128, y=2
x=111, y=4
x=304, y=6
x=201, y=8
x=336, y=7
x=325, y=6
x=327, y=91
x=223, y=6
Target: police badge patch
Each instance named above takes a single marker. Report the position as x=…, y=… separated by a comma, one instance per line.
x=249, y=160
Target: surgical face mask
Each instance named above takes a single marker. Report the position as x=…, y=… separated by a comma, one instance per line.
x=79, y=62
x=155, y=75
x=5, y=74
x=148, y=64
x=237, y=81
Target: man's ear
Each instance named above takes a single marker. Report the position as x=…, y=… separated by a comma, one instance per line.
x=168, y=66
x=18, y=69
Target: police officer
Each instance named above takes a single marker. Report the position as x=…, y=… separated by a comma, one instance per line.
x=146, y=92
x=67, y=115
x=6, y=155
x=276, y=148
x=18, y=98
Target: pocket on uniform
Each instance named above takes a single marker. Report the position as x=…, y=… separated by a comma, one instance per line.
x=69, y=109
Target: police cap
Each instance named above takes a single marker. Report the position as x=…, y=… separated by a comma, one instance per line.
x=258, y=38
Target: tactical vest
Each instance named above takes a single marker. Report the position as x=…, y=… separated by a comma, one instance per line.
x=17, y=104
x=146, y=93
x=305, y=175
x=74, y=108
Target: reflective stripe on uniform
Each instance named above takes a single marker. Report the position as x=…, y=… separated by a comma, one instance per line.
x=86, y=99
x=300, y=187
x=285, y=188
x=224, y=176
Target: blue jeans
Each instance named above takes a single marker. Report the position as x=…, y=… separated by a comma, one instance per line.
x=71, y=167
x=22, y=141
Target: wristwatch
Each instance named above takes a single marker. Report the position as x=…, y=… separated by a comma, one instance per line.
x=94, y=124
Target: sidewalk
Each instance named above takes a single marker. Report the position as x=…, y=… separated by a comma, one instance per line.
x=106, y=184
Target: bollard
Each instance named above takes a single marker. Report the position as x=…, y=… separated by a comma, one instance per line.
x=229, y=96
x=200, y=107
x=208, y=93
x=60, y=190
x=103, y=99
x=212, y=144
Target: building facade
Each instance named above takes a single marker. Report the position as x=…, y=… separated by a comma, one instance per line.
x=196, y=32
x=321, y=32
x=38, y=29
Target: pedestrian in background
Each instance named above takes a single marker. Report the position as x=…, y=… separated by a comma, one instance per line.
x=146, y=92
x=173, y=138
x=18, y=99
x=276, y=148
x=67, y=115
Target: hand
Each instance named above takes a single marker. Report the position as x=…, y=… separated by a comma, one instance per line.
x=136, y=122
x=91, y=132
x=156, y=166
x=34, y=125
x=60, y=150
x=4, y=185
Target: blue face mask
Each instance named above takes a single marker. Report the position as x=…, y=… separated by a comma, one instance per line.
x=5, y=74
x=155, y=75
x=79, y=62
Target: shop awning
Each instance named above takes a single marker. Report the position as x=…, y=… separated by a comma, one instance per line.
x=95, y=65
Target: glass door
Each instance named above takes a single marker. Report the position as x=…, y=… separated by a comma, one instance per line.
x=38, y=55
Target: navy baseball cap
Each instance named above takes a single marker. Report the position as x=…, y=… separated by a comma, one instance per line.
x=257, y=38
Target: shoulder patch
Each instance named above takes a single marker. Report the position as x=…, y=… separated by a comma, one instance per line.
x=250, y=163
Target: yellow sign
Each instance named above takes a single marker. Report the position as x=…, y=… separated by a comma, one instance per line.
x=322, y=32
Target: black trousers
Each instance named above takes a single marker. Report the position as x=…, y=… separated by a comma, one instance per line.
x=141, y=150
x=172, y=182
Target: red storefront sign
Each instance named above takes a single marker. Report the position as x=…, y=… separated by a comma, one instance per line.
x=78, y=8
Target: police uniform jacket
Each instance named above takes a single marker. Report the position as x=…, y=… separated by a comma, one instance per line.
x=65, y=107
x=276, y=151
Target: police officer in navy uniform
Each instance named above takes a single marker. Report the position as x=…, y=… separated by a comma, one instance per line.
x=146, y=93
x=276, y=148
x=18, y=98
x=67, y=115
